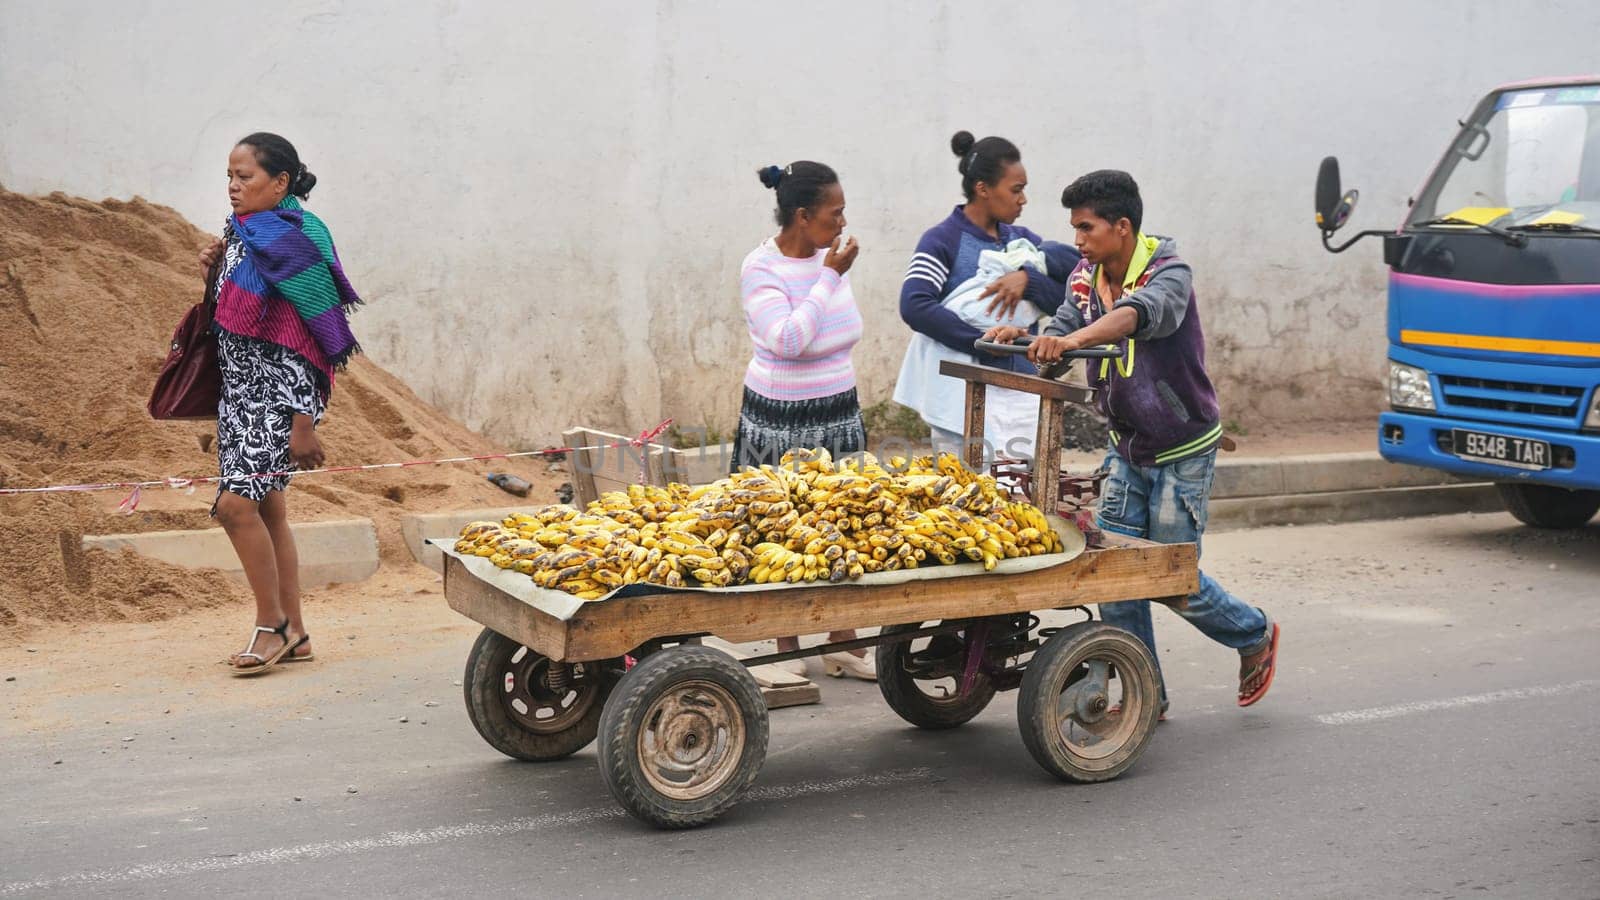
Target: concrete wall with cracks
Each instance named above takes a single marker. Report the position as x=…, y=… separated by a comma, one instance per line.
x=547, y=204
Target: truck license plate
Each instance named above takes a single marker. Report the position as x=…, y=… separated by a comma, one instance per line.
x=1504, y=450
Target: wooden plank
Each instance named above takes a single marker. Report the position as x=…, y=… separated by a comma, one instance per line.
x=1046, y=489
x=1016, y=381
x=489, y=606
x=625, y=464
x=582, y=469
x=612, y=468
x=1112, y=539
x=972, y=443
x=779, y=688
x=603, y=483
x=611, y=628
x=793, y=695
x=656, y=467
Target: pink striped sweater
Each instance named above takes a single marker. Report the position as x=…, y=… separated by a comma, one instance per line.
x=803, y=322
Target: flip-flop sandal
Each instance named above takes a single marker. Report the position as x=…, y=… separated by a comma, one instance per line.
x=267, y=662
x=291, y=657
x=1265, y=669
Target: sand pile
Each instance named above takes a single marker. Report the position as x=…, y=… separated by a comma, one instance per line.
x=89, y=295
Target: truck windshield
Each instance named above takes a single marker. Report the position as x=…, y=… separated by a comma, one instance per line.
x=1526, y=158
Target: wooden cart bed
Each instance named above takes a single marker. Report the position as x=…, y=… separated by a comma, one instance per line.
x=564, y=628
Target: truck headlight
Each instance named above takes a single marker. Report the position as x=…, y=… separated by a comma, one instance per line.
x=1409, y=388
x=1592, y=420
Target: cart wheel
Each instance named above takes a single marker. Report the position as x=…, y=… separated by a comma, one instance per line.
x=921, y=680
x=512, y=704
x=684, y=737
x=1068, y=691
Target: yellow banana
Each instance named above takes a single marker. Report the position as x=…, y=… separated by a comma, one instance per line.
x=810, y=519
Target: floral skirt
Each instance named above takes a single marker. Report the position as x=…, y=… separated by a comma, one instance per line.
x=263, y=387
x=769, y=428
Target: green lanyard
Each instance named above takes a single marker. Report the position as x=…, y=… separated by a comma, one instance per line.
x=1144, y=250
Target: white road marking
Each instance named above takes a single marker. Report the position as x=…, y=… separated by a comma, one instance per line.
x=1377, y=713
x=420, y=837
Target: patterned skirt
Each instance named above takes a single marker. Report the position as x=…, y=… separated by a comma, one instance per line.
x=263, y=387
x=769, y=428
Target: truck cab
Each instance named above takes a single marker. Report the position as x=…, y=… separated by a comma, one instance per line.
x=1494, y=302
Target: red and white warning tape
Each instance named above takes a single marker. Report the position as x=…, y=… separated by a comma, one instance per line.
x=136, y=488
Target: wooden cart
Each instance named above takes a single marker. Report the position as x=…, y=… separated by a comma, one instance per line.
x=682, y=728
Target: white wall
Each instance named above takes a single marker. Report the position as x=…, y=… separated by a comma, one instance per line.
x=547, y=204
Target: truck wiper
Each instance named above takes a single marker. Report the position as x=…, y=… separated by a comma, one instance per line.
x=1568, y=227
x=1515, y=240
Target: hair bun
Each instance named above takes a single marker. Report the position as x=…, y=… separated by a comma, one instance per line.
x=771, y=176
x=961, y=143
x=303, y=183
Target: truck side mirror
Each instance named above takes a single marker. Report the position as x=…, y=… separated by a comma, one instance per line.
x=1333, y=209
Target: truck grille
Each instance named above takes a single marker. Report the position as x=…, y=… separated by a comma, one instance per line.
x=1554, y=400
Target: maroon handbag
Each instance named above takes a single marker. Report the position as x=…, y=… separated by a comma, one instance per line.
x=190, y=382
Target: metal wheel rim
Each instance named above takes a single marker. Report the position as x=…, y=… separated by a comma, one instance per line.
x=525, y=692
x=945, y=697
x=1099, y=735
x=691, y=740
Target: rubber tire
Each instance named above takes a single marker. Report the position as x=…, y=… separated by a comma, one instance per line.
x=481, y=685
x=624, y=717
x=1042, y=683
x=1544, y=506
x=900, y=691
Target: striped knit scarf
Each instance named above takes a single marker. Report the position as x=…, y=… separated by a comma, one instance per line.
x=290, y=252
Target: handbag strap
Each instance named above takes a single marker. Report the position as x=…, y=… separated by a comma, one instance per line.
x=211, y=280
x=210, y=301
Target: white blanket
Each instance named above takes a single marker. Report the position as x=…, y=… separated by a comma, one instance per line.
x=1011, y=417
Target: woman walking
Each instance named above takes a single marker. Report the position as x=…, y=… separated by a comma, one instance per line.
x=800, y=385
x=282, y=298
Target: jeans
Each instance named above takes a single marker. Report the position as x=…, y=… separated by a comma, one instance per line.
x=1167, y=504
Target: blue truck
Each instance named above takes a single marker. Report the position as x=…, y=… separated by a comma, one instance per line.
x=1494, y=302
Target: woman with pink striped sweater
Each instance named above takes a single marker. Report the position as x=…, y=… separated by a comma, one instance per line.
x=800, y=386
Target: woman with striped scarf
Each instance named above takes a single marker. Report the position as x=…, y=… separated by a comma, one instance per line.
x=281, y=328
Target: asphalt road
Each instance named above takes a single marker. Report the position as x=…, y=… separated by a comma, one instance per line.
x=1434, y=731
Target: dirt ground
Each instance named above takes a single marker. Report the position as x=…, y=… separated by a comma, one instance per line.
x=115, y=672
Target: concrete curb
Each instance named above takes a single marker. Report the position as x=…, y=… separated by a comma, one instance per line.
x=338, y=551
x=1336, y=487
x=416, y=528
x=1318, y=473
x=1329, y=507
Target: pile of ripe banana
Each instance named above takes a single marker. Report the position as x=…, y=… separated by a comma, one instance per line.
x=805, y=520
